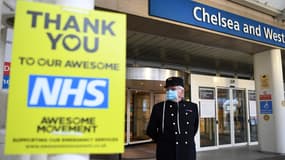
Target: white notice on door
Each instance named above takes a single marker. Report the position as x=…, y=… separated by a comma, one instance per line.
x=207, y=109
x=252, y=108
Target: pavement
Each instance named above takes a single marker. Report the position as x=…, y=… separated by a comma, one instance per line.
x=147, y=152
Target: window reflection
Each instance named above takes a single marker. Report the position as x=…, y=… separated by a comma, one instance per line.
x=240, y=121
x=139, y=115
x=224, y=116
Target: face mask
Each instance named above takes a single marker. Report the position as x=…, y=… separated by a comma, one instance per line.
x=171, y=95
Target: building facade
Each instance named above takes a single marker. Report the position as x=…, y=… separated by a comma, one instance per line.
x=221, y=48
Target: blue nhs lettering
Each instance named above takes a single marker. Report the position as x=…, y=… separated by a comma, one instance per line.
x=67, y=92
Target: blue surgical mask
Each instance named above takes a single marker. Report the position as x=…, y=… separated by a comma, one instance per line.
x=171, y=95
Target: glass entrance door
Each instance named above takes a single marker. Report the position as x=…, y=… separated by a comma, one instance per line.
x=208, y=129
x=232, y=123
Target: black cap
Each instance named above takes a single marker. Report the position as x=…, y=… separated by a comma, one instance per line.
x=174, y=81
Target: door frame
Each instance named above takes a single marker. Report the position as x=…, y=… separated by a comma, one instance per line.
x=215, y=118
x=248, y=117
x=232, y=124
x=198, y=80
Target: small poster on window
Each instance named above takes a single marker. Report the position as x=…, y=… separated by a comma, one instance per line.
x=207, y=109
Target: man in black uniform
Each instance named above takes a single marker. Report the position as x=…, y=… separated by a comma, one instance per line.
x=174, y=123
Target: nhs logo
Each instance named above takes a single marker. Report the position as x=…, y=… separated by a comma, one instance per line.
x=68, y=92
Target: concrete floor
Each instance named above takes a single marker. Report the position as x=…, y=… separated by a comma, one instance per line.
x=147, y=152
x=238, y=153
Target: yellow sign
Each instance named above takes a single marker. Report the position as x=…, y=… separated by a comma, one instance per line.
x=266, y=117
x=264, y=81
x=67, y=88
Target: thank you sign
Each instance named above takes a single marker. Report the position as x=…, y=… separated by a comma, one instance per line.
x=67, y=84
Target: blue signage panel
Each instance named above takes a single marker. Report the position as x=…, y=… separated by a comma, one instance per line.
x=204, y=16
x=5, y=82
x=265, y=107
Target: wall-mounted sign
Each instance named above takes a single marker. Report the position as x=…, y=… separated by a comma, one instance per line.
x=214, y=19
x=265, y=101
x=251, y=95
x=266, y=117
x=67, y=86
x=206, y=93
x=264, y=81
x=6, y=75
x=264, y=97
x=232, y=83
x=265, y=107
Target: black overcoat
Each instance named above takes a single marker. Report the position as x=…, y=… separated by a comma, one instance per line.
x=173, y=126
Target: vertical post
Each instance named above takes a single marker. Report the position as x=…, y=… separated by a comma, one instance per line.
x=2, y=107
x=2, y=44
x=86, y=4
x=269, y=86
x=128, y=115
x=3, y=93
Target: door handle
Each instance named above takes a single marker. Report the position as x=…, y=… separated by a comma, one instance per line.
x=217, y=122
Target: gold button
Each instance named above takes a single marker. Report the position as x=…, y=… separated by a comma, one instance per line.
x=177, y=143
x=173, y=123
x=187, y=122
x=186, y=142
x=172, y=114
x=186, y=132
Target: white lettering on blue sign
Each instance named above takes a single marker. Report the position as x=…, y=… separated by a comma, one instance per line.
x=201, y=15
x=277, y=37
x=67, y=92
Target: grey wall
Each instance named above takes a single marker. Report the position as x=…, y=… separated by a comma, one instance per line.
x=277, y=4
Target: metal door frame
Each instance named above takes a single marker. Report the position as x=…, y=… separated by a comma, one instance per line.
x=214, y=147
x=232, y=125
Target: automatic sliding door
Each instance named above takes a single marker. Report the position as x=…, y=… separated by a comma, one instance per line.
x=232, y=116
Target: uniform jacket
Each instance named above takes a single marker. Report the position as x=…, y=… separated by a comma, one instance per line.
x=173, y=126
